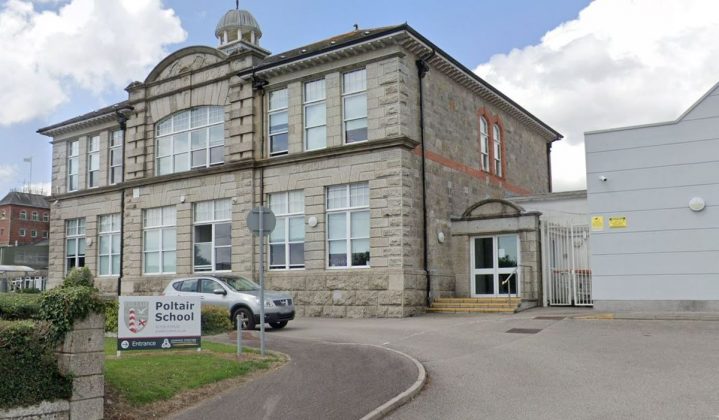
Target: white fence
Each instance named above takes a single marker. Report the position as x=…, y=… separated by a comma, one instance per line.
x=565, y=258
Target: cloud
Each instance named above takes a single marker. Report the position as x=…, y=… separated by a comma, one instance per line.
x=618, y=63
x=94, y=45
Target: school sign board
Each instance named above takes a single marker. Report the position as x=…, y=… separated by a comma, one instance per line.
x=158, y=322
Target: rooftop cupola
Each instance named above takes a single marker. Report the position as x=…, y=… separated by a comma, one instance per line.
x=238, y=25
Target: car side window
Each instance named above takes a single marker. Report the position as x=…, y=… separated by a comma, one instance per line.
x=177, y=286
x=209, y=286
x=189, y=286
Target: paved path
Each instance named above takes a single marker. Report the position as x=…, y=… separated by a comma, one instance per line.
x=571, y=369
x=321, y=381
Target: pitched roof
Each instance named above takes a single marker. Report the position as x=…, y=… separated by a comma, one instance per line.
x=94, y=114
x=25, y=199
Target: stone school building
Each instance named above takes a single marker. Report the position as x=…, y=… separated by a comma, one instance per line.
x=370, y=147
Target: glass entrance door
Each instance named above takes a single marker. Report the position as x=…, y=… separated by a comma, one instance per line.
x=494, y=259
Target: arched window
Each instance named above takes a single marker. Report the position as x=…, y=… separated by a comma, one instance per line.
x=497, y=134
x=484, y=143
x=189, y=139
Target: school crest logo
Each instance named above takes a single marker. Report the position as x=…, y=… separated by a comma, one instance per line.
x=135, y=315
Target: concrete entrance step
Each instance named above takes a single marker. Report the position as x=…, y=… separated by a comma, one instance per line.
x=477, y=300
x=470, y=310
x=475, y=305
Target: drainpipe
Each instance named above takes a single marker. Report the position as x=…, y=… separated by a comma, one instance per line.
x=422, y=69
x=549, y=166
x=122, y=118
x=258, y=85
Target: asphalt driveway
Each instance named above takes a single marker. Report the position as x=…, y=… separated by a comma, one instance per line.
x=569, y=368
x=321, y=381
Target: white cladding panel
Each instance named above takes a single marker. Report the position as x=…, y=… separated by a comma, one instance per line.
x=666, y=251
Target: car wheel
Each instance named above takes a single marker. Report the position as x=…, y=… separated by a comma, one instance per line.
x=278, y=325
x=246, y=317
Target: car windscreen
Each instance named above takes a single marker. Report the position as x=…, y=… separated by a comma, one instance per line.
x=240, y=284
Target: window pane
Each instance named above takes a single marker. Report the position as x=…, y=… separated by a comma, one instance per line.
x=164, y=165
x=116, y=174
x=278, y=235
x=223, y=258
x=152, y=240
x=203, y=211
x=70, y=247
x=278, y=203
x=360, y=252
x=203, y=234
x=297, y=201
x=115, y=268
x=315, y=115
x=208, y=286
x=297, y=229
x=355, y=81
x=116, y=138
x=104, y=265
x=164, y=127
x=217, y=134
x=115, y=243
x=223, y=234
x=223, y=210
x=169, y=239
x=316, y=138
x=199, y=158
x=278, y=143
x=360, y=224
x=189, y=285
x=198, y=139
x=203, y=254
x=81, y=246
x=115, y=157
x=199, y=117
x=277, y=255
x=484, y=284
x=278, y=122
x=182, y=142
x=297, y=255
x=338, y=253
x=182, y=162
x=278, y=99
x=315, y=91
x=164, y=146
x=217, y=155
x=168, y=215
x=153, y=217
x=181, y=121
x=168, y=262
x=483, y=253
x=105, y=223
x=337, y=228
x=152, y=262
x=336, y=197
x=80, y=226
x=512, y=283
x=355, y=107
x=217, y=114
x=356, y=130
x=359, y=195
x=104, y=245
x=94, y=161
x=507, y=251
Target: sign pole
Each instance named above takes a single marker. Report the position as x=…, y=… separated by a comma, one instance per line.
x=262, y=283
x=239, y=336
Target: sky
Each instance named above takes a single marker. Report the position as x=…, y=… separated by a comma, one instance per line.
x=579, y=65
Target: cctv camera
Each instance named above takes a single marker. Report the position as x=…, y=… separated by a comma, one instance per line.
x=603, y=178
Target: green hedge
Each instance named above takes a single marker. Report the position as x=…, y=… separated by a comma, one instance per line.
x=63, y=305
x=112, y=309
x=215, y=320
x=27, y=362
x=19, y=306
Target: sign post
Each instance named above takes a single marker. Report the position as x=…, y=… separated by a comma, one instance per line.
x=261, y=221
x=158, y=322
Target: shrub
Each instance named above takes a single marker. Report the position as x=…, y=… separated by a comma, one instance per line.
x=78, y=277
x=215, y=320
x=29, y=290
x=112, y=307
x=29, y=369
x=63, y=305
x=19, y=306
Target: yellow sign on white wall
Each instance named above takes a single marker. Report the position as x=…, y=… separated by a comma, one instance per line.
x=618, y=222
x=597, y=223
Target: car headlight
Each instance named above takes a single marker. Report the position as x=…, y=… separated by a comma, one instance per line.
x=269, y=303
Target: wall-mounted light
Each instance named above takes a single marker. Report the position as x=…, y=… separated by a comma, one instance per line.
x=440, y=237
x=312, y=221
x=697, y=204
x=182, y=199
x=602, y=178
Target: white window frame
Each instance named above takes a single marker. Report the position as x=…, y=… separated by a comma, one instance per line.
x=75, y=231
x=214, y=221
x=283, y=217
x=352, y=94
x=33, y=233
x=35, y=216
x=277, y=111
x=495, y=271
x=93, y=155
x=348, y=210
x=497, y=134
x=73, y=162
x=484, y=143
x=166, y=224
x=108, y=233
x=45, y=217
x=44, y=234
x=166, y=129
x=315, y=103
x=22, y=232
x=116, y=146
x=22, y=215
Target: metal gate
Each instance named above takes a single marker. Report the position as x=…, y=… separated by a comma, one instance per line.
x=565, y=258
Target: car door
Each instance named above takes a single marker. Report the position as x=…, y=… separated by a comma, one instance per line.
x=209, y=297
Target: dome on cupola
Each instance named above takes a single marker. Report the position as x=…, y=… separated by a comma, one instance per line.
x=238, y=25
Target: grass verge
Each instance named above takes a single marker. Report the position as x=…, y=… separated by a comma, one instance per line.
x=150, y=381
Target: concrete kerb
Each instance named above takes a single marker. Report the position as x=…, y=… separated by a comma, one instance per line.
x=640, y=316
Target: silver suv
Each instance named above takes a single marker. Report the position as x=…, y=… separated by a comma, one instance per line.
x=239, y=295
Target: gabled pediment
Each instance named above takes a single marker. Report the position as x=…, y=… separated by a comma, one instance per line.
x=185, y=60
